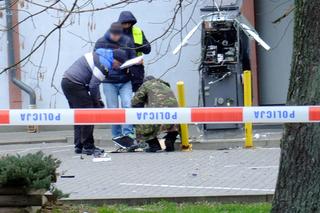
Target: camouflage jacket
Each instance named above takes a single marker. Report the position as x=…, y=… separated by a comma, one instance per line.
x=154, y=93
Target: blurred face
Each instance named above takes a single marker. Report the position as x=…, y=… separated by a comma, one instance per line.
x=116, y=64
x=126, y=25
x=115, y=37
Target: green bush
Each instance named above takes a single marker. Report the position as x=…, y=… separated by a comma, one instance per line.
x=31, y=171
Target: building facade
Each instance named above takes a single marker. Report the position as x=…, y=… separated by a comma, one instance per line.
x=43, y=73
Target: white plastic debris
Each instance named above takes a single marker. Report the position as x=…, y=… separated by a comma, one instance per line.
x=256, y=136
x=162, y=144
x=102, y=158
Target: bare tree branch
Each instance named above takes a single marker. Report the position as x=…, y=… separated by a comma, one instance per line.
x=44, y=39
x=77, y=9
x=287, y=13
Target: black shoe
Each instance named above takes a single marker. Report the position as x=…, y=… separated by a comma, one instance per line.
x=170, y=139
x=92, y=151
x=97, y=149
x=136, y=146
x=154, y=145
x=133, y=148
x=124, y=141
x=169, y=145
x=78, y=150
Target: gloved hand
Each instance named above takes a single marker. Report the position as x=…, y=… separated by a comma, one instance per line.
x=99, y=104
x=104, y=70
x=139, y=47
x=138, y=105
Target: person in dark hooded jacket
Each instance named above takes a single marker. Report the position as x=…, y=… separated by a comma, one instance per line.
x=141, y=43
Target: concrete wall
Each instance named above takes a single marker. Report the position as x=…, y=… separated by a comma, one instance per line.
x=274, y=66
x=151, y=18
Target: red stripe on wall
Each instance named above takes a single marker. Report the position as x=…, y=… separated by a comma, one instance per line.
x=217, y=114
x=100, y=116
x=4, y=117
x=314, y=113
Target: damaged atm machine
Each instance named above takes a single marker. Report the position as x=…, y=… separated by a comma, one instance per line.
x=225, y=47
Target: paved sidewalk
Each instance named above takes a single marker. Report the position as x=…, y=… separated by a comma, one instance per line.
x=132, y=175
x=7, y=138
x=218, y=139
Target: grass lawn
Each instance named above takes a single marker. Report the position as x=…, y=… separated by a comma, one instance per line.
x=166, y=207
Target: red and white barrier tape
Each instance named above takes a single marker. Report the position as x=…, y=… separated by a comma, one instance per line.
x=279, y=114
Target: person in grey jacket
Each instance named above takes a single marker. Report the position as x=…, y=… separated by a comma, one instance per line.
x=80, y=84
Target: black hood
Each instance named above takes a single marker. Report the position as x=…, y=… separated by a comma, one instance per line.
x=127, y=17
x=164, y=82
x=149, y=78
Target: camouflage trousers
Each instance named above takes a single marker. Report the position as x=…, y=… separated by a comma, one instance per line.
x=150, y=131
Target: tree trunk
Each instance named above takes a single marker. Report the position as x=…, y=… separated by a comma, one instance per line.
x=298, y=186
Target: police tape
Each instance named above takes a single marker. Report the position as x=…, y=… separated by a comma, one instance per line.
x=278, y=114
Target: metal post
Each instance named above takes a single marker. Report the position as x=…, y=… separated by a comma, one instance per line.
x=12, y=60
x=185, y=146
x=248, y=103
x=11, y=56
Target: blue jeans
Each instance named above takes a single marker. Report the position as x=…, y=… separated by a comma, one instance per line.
x=112, y=91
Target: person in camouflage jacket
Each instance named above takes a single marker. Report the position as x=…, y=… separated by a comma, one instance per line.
x=155, y=93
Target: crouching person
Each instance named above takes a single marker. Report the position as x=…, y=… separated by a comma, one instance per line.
x=80, y=84
x=155, y=93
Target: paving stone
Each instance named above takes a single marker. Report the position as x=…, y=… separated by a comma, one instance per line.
x=196, y=173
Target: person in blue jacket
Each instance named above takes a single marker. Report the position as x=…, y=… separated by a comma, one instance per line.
x=141, y=45
x=80, y=84
x=118, y=84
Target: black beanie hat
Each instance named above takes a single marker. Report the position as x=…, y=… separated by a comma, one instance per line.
x=120, y=55
x=116, y=28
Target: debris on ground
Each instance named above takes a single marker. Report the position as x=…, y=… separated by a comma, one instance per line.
x=102, y=158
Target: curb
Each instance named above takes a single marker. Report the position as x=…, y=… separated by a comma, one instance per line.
x=263, y=198
x=225, y=144
x=34, y=141
x=207, y=145
x=216, y=144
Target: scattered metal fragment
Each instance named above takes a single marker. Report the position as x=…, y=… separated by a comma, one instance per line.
x=67, y=176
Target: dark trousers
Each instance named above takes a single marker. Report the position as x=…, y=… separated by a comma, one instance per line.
x=78, y=97
x=137, y=76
